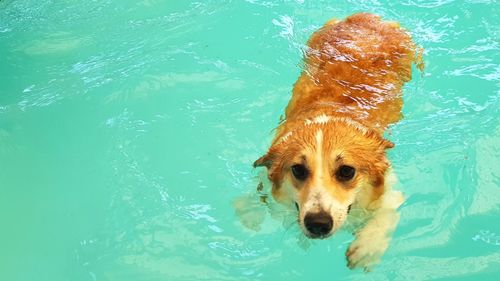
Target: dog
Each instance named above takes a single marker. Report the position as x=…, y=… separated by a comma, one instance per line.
x=328, y=156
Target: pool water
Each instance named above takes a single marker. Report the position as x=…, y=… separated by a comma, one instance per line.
x=128, y=128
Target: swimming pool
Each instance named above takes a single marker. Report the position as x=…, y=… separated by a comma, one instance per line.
x=128, y=128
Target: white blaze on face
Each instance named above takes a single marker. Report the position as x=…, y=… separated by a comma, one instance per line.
x=319, y=155
x=319, y=199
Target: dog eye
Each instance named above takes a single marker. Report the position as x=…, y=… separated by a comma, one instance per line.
x=345, y=173
x=300, y=172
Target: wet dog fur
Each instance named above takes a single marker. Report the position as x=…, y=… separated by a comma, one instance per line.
x=329, y=153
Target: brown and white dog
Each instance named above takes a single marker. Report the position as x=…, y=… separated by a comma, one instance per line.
x=329, y=153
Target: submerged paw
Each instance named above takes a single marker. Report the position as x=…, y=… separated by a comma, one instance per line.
x=366, y=253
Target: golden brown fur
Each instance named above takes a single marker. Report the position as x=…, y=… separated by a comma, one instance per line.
x=347, y=95
x=359, y=64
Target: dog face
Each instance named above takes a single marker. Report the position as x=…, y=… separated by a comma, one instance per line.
x=320, y=167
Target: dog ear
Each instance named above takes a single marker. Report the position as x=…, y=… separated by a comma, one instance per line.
x=264, y=161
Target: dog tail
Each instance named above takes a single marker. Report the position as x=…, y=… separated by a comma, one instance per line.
x=363, y=42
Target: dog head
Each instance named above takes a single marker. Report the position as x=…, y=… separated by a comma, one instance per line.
x=320, y=166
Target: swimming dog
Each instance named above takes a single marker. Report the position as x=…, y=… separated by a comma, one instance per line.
x=328, y=155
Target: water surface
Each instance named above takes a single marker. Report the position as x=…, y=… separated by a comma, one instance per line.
x=127, y=129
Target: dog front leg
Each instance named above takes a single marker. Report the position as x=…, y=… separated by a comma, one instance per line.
x=372, y=240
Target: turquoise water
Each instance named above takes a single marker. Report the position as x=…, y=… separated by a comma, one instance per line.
x=128, y=128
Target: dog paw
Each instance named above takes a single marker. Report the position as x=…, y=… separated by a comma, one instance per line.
x=250, y=211
x=366, y=252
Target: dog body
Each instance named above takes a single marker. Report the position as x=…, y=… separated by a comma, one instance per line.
x=328, y=154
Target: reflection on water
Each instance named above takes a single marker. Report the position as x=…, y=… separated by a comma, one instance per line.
x=128, y=129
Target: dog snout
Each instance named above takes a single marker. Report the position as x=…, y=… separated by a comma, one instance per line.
x=318, y=224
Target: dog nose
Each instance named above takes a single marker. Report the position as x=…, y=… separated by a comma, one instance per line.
x=318, y=224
